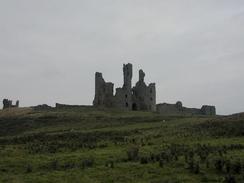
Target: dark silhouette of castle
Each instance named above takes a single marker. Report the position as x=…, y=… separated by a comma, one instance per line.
x=140, y=97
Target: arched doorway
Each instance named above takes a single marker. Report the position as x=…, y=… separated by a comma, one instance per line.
x=134, y=107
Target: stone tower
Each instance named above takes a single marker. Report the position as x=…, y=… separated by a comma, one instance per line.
x=141, y=97
x=103, y=92
x=144, y=97
x=127, y=69
x=123, y=96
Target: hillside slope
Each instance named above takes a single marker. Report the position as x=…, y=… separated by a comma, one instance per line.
x=91, y=145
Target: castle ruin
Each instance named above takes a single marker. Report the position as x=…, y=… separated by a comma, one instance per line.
x=140, y=97
x=9, y=104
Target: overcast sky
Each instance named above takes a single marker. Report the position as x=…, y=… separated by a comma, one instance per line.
x=193, y=50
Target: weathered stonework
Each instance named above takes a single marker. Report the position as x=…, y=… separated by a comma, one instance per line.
x=9, y=104
x=208, y=110
x=103, y=92
x=140, y=97
x=178, y=109
x=144, y=97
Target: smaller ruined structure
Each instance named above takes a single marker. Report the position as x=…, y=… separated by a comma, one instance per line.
x=140, y=97
x=9, y=104
x=178, y=109
x=208, y=110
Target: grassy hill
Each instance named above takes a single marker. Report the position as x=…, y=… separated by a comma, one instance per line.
x=89, y=145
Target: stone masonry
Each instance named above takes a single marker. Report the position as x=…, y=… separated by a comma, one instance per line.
x=178, y=109
x=9, y=104
x=140, y=97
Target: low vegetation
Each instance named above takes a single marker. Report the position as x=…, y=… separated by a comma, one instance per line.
x=106, y=146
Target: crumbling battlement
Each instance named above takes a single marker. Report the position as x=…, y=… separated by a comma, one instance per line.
x=140, y=97
x=9, y=104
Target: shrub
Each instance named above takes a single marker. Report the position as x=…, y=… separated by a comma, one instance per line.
x=205, y=178
x=190, y=165
x=161, y=163
x=203, y=156
x=54, y=165
x=68, y=165
x=29, y=168
x=176, y=158
x=152, y=157
x=133, y=153
x=219, y=164
x=157, y=157
x=144, y=160
x=196, y=169
x=193, y=166
x=87, y=163
x=165, y=156
x=236, y=167
x=227, y=166
x=207, y=163
x=109, y=164
x=191, y=155
x=229, y=179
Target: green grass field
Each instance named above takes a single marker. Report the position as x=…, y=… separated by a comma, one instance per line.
x=89, y=145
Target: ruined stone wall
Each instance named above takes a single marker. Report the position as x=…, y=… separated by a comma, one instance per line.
x=208, y=110
x=169, y=109
x=152, y=97
x=122, y=99
x=66, y=106
x=99, y=89
x=178, y=109
x=125, y=93
x=140, y=93
x=104, y=96
x=144, y=97
x=103, y=92
x=141, y=97
x=9, y=104
x=123, y=96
